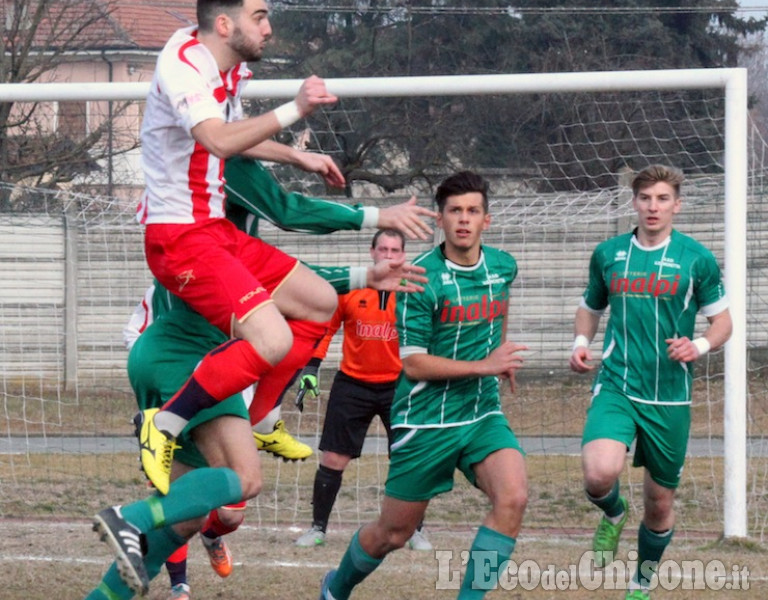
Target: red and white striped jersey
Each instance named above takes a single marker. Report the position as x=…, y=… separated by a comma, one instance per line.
x=184, y=182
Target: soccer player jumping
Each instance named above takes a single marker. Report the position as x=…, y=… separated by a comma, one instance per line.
x=655, y=280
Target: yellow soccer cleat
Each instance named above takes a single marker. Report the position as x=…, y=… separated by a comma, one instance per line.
x=282, y=443
x=156, y=448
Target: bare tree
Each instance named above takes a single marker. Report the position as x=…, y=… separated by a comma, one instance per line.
x=40, y=146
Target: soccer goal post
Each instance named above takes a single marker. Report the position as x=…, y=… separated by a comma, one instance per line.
x=732, y=82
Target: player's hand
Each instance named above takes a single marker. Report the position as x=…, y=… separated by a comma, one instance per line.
x=323, y=165
x=395, y=276
x=312, y=94
x=505, y=360
x=407, y=217
x=309, y=383
x=579, y=359
x=681, y=349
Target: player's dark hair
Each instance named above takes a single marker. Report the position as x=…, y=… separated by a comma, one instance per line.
x=391, y=233
x=207, y=10
x=654, y=174
x=461, y=183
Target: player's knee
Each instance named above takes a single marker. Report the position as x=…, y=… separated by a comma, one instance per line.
x=251, y=483
x=231, y=518
x=598, y=481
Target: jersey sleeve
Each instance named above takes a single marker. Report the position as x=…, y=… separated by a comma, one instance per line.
x=413, y=317
x=182, y=78
x=333, y=327
x=595, y=297
x=252, y=188
x=140, y=319
x=710, y=291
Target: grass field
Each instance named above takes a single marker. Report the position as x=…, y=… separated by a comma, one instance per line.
x=46, y=502
x=61, y=548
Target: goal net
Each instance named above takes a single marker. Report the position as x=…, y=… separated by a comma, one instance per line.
x=73, y=269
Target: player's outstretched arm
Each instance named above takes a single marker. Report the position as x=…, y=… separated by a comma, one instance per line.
x=407, y=217
x=225, y=139
x=395, y=276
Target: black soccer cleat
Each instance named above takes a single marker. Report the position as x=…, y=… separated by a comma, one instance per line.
x=129, y=546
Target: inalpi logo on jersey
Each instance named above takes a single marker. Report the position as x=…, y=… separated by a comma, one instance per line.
x=485, y=309
x=644, y=285
x=376, y=331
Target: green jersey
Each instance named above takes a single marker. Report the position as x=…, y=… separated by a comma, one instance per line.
x=253, y=194
x=460, y=315
x=653, y=295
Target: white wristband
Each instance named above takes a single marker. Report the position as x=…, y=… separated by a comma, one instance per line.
x=702, y=345
x=287, y=114
x=581, y=341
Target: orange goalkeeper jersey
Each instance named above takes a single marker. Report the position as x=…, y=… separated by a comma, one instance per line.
x=370, y=348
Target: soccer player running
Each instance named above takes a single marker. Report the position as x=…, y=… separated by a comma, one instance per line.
x=655, y=280
x=274, y=308
x=446, y=413
x=362, y=389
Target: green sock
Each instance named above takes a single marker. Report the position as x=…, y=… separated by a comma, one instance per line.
x=650, y=547
x=161, y=543
x=610, y=504
x=192, y=495
x=355, y=565
x=491, y=549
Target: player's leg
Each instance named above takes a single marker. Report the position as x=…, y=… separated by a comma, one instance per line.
x=662, y=443
x=608, y=432
x=493, y=461
x=351, y=408
x=176, y=567
x=421, y=466
x=219, y=523
x=396, y=523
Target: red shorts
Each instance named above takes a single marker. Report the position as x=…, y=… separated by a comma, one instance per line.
x=218, y=270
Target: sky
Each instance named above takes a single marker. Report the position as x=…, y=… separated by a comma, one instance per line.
x=754, y=4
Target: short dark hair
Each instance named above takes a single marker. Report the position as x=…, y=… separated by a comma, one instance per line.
x=463, y=182
x=656, y=173
x=391, y=233
x=207, y=10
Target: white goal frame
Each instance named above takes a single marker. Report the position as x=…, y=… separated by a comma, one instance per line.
x=733, y=82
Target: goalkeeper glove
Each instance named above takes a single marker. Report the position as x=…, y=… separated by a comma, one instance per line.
x=308, y=383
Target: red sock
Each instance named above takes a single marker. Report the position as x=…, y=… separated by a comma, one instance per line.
x=214, y=528
x=224, y=371
x=273, y=385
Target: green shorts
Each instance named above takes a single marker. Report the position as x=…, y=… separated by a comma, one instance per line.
x=661, y=431
x=423, y=461
x=161, y=361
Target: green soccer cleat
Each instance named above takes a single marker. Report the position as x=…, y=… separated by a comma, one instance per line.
x=606, y=540
x=638, y=595
x=157, y=448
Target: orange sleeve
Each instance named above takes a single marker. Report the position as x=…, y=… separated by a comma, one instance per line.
x=333, y=327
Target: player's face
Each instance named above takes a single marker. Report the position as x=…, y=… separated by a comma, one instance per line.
x=251, y=31
x=656, y=206
x=387, y=248
x=463, y=220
